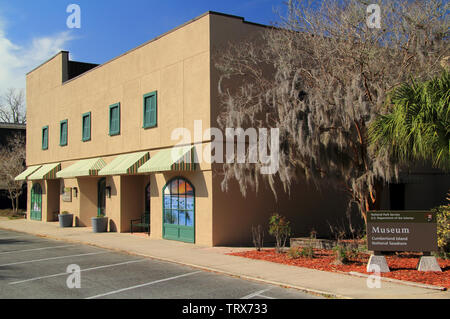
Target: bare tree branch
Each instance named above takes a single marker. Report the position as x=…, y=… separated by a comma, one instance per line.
x=321, y=77
x=12, y=163
x=12, y=107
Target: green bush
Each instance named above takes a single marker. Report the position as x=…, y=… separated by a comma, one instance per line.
x=443, y=228
x=293, y=253
x=307, y=252
x=340, y=254
x=279, y=228
x=353, y=252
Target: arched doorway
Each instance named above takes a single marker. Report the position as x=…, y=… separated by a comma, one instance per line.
x=36, y=202
x=101, y=191
x=179, y=210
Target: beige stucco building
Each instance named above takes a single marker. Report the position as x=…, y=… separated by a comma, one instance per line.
x=98, y=138
x=100, y=142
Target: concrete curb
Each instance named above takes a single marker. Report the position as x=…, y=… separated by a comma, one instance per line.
x=397, y=281
x=210, y=269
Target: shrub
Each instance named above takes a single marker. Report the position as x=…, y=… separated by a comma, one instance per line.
x=64, y=212
x=353, y=252
x=441, y=254
x=340, y=254
x=443, y=228
x=293, y=253
x=258, y=237
x=307, y=252
x=280, y=229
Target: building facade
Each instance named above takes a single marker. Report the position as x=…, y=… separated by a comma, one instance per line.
x=100, y=142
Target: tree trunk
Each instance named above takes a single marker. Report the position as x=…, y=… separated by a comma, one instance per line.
x=12, y=201
x=17, y=204
x=375, y=202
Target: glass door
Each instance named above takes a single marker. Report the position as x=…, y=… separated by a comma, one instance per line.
x=101, y=197
x=36, y=202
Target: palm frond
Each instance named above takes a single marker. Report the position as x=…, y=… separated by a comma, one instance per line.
x=417, y=125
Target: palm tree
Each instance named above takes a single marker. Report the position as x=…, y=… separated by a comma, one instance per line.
x=417, y=125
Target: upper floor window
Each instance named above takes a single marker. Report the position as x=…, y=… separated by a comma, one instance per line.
x=150, y=109
x=63, y=133
x=86, y=126
x=45, y=137
x=114, y=119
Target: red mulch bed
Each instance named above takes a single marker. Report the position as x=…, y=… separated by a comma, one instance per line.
x=402, y=265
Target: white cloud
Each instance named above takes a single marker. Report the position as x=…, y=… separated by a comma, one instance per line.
x=17, y=60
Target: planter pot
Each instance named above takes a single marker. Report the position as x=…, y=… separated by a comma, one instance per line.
x=99, y=224
x=65, y=220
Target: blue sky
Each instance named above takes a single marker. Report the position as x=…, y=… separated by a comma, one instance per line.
x=33, y=31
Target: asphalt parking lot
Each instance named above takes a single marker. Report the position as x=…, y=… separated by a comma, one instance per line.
x=32, y=267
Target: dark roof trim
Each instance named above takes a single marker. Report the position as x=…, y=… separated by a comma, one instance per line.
x=236, y=17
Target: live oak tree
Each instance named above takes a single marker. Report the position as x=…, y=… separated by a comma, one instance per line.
x=321, y=76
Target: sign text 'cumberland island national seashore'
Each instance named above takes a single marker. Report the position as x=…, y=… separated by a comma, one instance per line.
x=401, y=231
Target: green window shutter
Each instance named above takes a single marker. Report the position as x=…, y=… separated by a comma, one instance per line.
x=150, y=109
x=114, y=119
x=63, y=133
x=45, y=137
x=86, y=127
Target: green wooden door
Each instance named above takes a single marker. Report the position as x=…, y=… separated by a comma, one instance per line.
x=179, y=211
x=36, y=202
x=101, y=191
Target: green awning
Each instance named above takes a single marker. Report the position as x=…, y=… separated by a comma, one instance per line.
x=30, y=170
x=172, y=159
x=125, y=164
x=87, y=167
x=47, y=171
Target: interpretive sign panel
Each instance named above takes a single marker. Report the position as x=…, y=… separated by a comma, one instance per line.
x=401, y=231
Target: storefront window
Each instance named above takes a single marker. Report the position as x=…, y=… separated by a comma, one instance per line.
x=179, y=203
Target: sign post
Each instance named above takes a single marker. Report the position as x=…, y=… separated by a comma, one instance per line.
x=414, y=231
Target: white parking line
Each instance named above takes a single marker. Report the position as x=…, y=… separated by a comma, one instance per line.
x=24, y=250
x=256, y=293
x=143, y=285
x=87, y=269
x=267, y=297
x=60, y=257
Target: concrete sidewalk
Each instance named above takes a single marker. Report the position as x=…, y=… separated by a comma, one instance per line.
x=214, y=259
